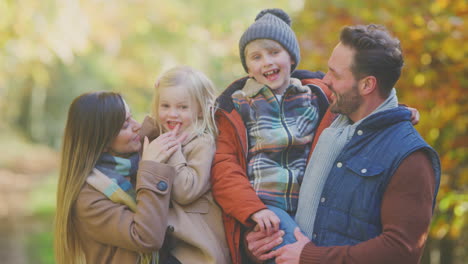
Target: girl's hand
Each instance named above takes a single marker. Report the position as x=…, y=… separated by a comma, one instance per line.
x=162, y=148
x=267, y=221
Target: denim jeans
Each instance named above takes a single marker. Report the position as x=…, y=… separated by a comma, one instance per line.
x=287, y=224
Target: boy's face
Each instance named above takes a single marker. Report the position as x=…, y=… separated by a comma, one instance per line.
x=269, y=63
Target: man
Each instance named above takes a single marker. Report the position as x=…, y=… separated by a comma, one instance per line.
x=370, y=186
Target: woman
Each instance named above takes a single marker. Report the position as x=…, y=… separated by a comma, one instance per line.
x=98, y=219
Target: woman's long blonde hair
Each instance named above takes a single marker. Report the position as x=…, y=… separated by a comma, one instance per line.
x=201, y=90
x=94, y=120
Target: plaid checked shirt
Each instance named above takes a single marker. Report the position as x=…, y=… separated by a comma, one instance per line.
x=279, y=134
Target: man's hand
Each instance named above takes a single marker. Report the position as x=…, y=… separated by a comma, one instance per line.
x=259, y=244
x=290, y=254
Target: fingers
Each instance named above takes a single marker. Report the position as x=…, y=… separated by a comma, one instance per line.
x=175, y=131
x=299, y=236
x=276, y=223
x=415, y=120
x=262, y=251
x=271, y=222
x=171, y=149
x=269, y=255
x=261, y=225
x=414, y=115
x=145, y=148
x=259, y=244
x=170, y=144
x=268, y=226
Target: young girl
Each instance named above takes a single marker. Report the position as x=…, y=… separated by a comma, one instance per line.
x=101, y=177
x=184, y=100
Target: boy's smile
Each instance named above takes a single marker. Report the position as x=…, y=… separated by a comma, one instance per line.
x=271, y=75
x=269, y=64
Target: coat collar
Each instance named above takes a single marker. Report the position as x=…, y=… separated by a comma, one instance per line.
x=252, y=88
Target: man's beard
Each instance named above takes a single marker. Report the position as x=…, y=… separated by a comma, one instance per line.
x=346, y=103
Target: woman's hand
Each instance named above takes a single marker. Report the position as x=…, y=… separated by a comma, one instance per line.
x=162, y=148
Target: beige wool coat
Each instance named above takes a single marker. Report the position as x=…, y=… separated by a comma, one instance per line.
x=196, y=220
x=111, y=232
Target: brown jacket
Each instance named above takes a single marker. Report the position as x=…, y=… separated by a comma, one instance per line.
x=111, y=232
x=198, y=231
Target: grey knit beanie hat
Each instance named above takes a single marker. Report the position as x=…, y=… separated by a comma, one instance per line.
x=272, y=24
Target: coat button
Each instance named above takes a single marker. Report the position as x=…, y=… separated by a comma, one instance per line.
x=363, y=170
x=360, y=132
x=170, y=228
x=322, y=199
x=339, y=164
x=162, y=186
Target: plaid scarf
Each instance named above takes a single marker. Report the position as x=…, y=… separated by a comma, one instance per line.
x=108, y=177
x=117, y=168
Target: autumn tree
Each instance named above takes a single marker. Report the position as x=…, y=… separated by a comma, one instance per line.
x=433, y=38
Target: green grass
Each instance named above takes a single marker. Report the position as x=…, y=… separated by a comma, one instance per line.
x=42, y=208
x=40, y=246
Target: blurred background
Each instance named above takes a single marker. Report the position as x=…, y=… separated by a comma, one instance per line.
x=53, y=50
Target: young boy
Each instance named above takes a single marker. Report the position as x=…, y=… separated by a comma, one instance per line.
x=266, y=125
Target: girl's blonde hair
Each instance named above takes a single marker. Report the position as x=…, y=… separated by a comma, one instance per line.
x=94, y=120
x=201, y=90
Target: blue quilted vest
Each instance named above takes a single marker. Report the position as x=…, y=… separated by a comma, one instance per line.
x=350, y=204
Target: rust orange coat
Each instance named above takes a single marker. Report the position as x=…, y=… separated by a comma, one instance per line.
x=230, y=185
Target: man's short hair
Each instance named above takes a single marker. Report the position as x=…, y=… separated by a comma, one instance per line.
x=377, y=53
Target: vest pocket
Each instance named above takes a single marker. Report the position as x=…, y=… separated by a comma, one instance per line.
x=364, y=167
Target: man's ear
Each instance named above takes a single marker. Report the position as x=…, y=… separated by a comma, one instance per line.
x=368, y=85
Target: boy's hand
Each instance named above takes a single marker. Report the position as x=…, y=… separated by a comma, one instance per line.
x=267, y=221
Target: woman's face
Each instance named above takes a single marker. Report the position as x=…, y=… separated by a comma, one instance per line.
x=128, y=140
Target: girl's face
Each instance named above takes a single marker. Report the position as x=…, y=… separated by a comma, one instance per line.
x=128, y=140
x=175, y=107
